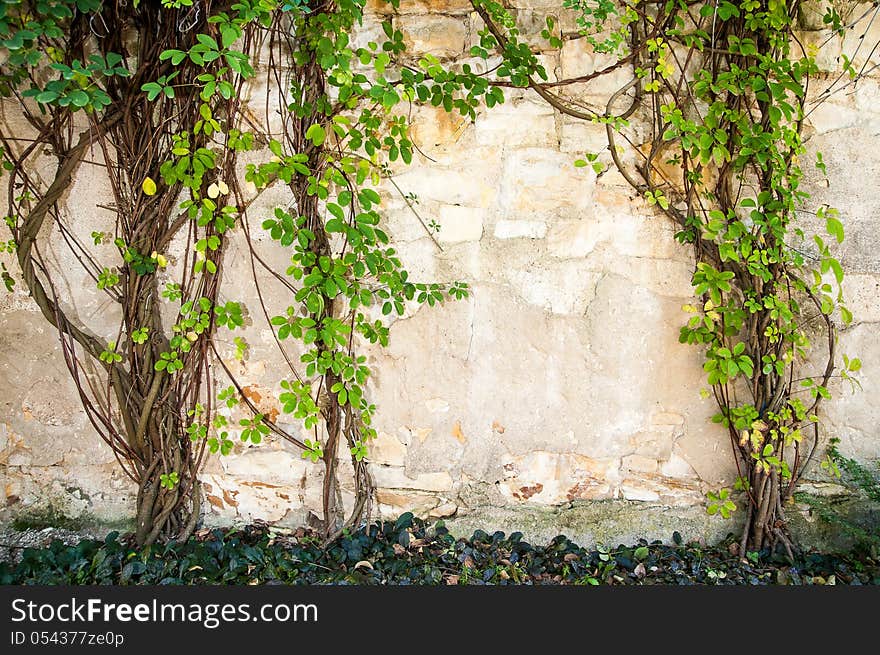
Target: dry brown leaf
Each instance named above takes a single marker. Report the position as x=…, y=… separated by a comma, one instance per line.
x=457, y=433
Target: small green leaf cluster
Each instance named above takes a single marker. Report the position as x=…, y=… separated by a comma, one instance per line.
x=107, y=279
x=604, y=23
x=720, y=503
x=139, y=263
x=169, y=480
x=169, y=361
x=78, y=85
x=207, y=49
x=194, y=320
x=253, y=429
x=314, y=451
x=109, y=354
x=519, y=63
x=189, y=165
x=140, y=335
x=229, y=315
x=28, y=39
x=591, y=159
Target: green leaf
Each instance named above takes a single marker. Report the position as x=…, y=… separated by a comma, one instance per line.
x=316, y=134
x=79, y=98
x=836, y=268
x=835, y=228
x=207, y=41
x=370, y=196
x=46, y=97
x=229, y=35
x=336, y=210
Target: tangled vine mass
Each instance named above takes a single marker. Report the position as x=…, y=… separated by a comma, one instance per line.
x=149, y=95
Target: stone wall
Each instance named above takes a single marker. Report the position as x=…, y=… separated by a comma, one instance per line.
x=560, y=382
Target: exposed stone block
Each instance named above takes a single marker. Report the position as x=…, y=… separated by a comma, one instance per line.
x=520, y=229
x=640, y=463
x=386, y=449
x=395, y=477
x=442, y=36
x=459, y=224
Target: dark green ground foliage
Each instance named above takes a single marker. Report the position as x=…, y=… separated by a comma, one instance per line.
x=410, y=551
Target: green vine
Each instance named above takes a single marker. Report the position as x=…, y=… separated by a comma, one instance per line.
x=724, y=87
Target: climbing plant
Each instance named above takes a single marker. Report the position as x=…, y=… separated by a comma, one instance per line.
x=341, y=132
x=722, y=88
x=151, y=94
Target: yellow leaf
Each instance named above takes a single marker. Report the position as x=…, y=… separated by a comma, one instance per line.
x=149, y=186
x=457, y=433
x=223, y=187
x=213, y=191
x=162, y=261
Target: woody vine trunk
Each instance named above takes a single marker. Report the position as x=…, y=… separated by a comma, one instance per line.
x=311, y=107
x=139, y=408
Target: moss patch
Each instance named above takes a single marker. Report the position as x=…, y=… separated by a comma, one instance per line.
x=51, y=517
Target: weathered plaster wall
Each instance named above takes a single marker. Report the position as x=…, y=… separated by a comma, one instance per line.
x=560, y=380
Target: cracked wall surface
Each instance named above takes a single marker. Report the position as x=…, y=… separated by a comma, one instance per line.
x=559, y=380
